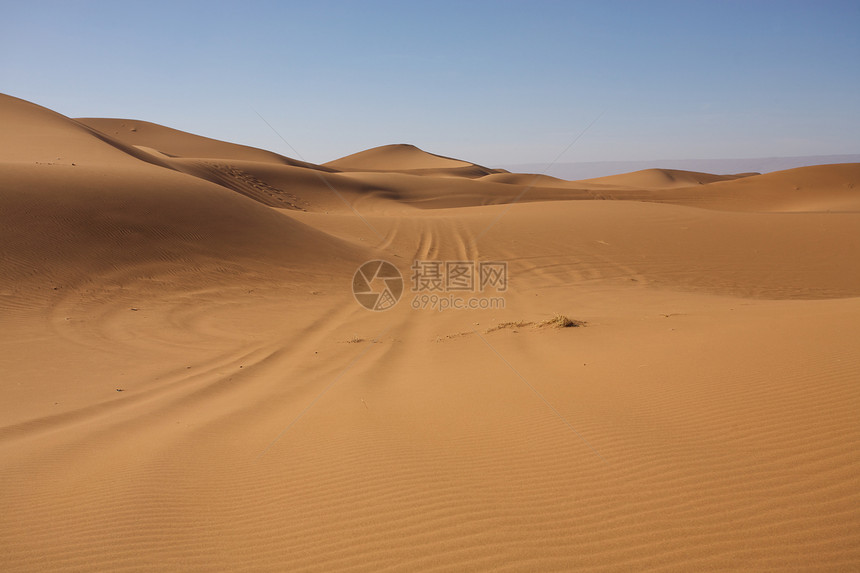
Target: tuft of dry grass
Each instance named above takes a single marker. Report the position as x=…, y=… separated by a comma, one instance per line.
x=560, y=321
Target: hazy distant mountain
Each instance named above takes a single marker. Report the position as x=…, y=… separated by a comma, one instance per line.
x=586, y=170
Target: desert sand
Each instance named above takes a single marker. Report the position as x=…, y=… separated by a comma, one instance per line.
x=189, y=384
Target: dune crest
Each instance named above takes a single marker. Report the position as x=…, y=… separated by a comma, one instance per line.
x=180, y=144
x=407, y=158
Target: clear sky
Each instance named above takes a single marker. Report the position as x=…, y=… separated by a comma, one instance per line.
x=492, y=82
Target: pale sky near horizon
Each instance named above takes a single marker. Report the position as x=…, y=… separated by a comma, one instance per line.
x=491, y=82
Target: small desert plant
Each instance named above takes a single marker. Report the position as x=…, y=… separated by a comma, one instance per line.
x=560, y=321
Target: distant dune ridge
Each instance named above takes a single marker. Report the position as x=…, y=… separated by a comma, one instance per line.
x=187, y=382
x=591, y=169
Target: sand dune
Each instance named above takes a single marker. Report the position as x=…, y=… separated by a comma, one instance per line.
x=75, y=204
x=188, y=383
x=818, y=188
x=527, y=180
x=662, y=178
x=408, y=158
x=35, y=135
x=175, y=143
x=400, y=157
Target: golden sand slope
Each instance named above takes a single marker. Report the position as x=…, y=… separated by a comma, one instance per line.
x=188, y=384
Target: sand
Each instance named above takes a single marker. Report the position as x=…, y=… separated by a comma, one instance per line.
x=188, y=383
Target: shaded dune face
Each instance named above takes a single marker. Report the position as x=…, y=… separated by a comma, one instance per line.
x=187, y=381
x=76, y=201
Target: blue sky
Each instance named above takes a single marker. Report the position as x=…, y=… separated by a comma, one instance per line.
x=492, y=82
